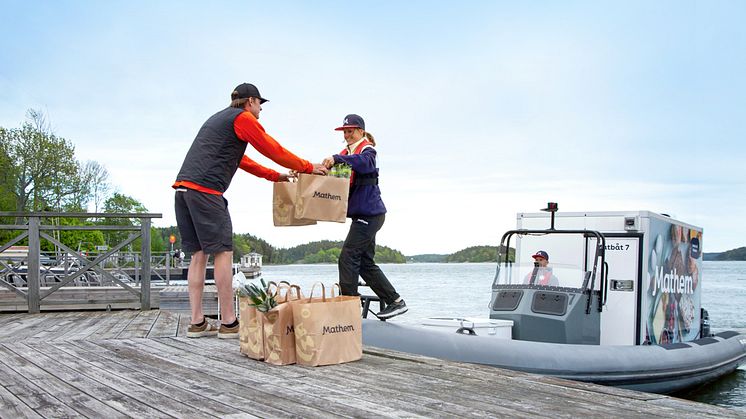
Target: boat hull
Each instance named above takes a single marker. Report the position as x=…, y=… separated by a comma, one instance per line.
x=661, y=369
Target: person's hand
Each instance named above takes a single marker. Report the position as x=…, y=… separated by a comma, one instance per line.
x=319, y=169
x=284, y=177
x=328, y=162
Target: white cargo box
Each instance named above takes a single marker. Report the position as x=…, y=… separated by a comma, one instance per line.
x=502, y=329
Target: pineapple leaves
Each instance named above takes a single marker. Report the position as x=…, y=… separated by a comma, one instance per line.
x=259, y=297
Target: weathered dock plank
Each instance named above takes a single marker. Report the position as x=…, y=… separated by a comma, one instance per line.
x=166, y=325
x=124, y=387
x=69, y=385
x=113, y=329
x=346, y=387
x=140, y=326
x=185, y=384
x=268, y=380
x=138, y=364
x=12, y=406
x=184, y=321
x=36, y=398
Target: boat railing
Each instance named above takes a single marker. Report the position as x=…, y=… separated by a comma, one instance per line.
x=25, y=275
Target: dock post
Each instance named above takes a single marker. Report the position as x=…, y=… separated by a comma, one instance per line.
x=32, y=273
x=145, y=271
x=168, y=268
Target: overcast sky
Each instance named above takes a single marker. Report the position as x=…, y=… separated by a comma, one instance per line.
x=481, y=109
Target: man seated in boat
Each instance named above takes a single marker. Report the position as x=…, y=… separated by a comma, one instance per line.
x=542, y=272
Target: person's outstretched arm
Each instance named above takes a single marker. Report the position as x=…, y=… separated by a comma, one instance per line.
x=248, y=129
x=258, y=170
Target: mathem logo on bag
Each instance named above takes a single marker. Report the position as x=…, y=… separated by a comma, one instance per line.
x=337, y=329
x=326, y=195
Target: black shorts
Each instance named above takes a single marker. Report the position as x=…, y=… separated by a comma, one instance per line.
x=204, y=222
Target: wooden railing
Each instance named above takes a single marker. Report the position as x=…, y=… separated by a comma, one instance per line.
x=36, y=226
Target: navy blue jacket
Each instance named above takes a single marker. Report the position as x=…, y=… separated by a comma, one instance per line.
x=365, y=200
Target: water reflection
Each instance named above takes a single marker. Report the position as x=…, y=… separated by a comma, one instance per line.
x=728, y=391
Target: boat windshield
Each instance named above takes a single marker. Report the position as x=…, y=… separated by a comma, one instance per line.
x=549, y=259
x=555, y=275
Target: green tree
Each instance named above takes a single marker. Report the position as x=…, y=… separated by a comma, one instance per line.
x=733, y=254
x=122, y=204
x=7, y=176
x=477, y=254
x=39, y=172
x=83, y=239
x=44, y=173
x=241, y=246
x=96, y=177
x=165, y=234
x=250, y=243
x=157, y=244
x=7, y=196
x=392, y=255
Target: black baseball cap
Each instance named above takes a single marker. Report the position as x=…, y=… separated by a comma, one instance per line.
x=245, y=91
x=352, y=121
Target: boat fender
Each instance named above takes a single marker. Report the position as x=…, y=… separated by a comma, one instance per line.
x=466, y=331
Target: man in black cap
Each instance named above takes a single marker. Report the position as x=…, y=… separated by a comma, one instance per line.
x=202, y=211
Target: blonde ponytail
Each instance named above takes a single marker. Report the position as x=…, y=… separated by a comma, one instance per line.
x=370, y=138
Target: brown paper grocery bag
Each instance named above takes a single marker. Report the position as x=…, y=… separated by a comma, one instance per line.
x=283, y=205
x=327, y=330
x=279, y=334
x=250, y=334
x=322, y=198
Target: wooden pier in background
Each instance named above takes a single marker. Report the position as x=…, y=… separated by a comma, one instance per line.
x=135, y=363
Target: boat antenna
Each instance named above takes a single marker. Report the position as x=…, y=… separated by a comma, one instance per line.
x=551, y=209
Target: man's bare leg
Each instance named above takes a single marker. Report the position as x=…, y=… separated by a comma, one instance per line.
x=196, y=282
x=224, y=282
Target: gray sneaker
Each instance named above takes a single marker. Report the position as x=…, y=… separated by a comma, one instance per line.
x=393, y=309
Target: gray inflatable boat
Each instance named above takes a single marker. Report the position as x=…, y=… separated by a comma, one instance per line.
x=663, y=369
x=610, y=298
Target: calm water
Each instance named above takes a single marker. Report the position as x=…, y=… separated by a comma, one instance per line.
x=435, y=289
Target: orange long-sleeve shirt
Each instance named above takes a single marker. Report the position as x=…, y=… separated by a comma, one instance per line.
x=249, y=129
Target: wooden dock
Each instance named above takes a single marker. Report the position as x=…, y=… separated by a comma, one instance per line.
x=140, y=364
x=171, y=298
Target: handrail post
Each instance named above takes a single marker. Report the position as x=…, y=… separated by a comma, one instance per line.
x=145, y=271
x=137, y=265
x=32, y=272
x=168, y=268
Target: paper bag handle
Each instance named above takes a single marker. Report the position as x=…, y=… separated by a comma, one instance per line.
x=289, y=291
x=336, y=285
x=323, y=291
x=277, y=286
